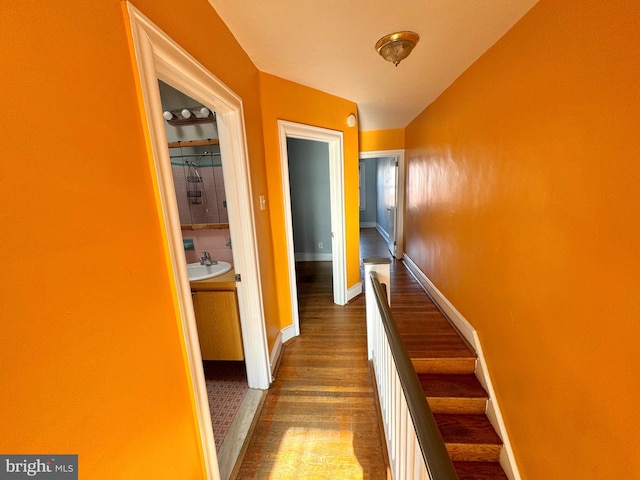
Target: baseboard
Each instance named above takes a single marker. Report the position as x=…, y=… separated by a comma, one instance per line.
x=313, y=257
x=275, y=353
x=367, y=224
x=354, y=291
x=463, y=326
x=287, y=333
x=382, y=232
x=507, y=459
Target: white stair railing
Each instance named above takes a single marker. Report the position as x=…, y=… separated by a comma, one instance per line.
x=414, y=444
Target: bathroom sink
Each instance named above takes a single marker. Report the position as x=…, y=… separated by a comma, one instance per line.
x=202, y=272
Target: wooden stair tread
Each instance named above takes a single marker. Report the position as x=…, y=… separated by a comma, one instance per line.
x=438, y=385
x=446, y=365
x=469, y=437
x=467, y=429
x=433, y=345
x=428, y=347
x=459, y=394
x=423, y=327
x=479, y=471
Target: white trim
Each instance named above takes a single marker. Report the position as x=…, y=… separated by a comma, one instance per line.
x=399, y=156
x=463, y=326
x=286, y=198
x=275, y=353
x=507, y=459
x=334, y=139
x=354, y=291
x=368, y=225
x=383, y=233
x=158, y=57
x=362, y=175
x=286, y=334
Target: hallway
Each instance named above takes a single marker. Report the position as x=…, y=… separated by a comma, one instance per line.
x=319, y=418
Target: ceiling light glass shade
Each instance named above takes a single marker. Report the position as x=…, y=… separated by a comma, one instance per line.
x=395, y=47
x=189, y=116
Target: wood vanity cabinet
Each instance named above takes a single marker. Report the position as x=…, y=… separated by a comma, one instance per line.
x=218, y=322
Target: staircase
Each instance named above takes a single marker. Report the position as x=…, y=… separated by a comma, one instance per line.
x=445, y=365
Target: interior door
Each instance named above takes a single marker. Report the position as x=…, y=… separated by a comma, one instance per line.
x=393, y=210
x=387, y=189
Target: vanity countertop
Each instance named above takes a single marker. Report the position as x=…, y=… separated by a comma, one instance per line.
x=226, y=281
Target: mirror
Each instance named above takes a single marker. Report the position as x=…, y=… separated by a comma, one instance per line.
x=196, y=168
x=195, y=160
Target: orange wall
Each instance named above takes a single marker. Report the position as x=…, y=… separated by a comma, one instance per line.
x=374, y=140
x=522, y=207
x=90, y=343
x=285, y=100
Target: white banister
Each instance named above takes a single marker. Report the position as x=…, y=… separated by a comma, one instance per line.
x=382, y=268
x=414, y=444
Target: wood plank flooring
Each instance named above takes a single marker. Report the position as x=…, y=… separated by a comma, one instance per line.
x=319, y=419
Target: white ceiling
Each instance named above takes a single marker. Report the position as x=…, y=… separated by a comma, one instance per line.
x=329, y=45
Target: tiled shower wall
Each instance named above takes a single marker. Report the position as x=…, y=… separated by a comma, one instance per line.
x=215, y=241
x=213, y=208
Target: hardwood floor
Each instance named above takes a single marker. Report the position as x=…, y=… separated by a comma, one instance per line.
x=320, y=420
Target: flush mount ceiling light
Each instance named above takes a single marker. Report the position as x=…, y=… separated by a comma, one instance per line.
x=395, y=47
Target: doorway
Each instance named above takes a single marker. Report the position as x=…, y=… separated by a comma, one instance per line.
x=198, y=181
x=158, y=57
x=334, y=141
x=310, y=199
x=388, y=210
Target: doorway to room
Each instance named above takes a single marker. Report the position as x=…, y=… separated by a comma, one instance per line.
x=382, y=175
x=334, y=142
x=158, y=57
x=198, y=181
x=310, y=195
x=310, y=199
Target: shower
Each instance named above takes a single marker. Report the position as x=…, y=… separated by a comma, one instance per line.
x=199, y=185
x=196, y=193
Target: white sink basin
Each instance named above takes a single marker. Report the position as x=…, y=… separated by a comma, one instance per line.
x=202, y=272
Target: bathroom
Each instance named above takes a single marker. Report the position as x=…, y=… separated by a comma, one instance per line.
x=197, y=173
x=197, y=177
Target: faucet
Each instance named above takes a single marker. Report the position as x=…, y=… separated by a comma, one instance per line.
x=207, y=260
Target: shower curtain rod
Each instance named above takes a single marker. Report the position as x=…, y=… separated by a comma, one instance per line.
x=203, y=155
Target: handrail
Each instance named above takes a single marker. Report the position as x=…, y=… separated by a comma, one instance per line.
x=436, y=459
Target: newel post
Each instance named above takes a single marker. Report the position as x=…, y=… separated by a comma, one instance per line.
x=382, y=268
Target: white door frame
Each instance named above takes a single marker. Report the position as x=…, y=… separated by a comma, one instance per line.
x=399, y=226
x=159, y=57
x=334, y=139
